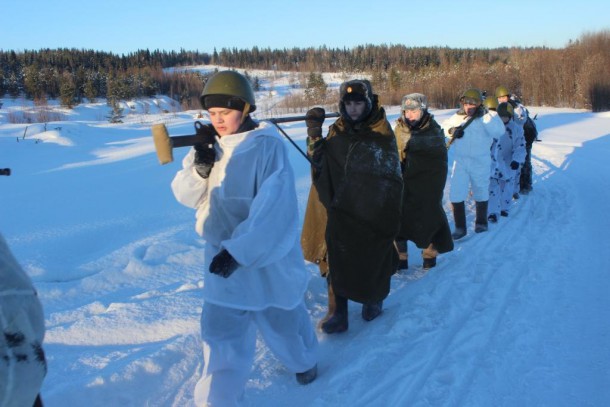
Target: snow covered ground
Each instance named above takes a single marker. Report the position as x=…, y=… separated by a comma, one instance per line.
x=517, y=316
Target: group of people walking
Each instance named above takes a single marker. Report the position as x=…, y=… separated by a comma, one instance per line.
x=374, y=188
x=492, y=156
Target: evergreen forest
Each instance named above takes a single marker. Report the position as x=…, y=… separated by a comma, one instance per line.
x=576, y=76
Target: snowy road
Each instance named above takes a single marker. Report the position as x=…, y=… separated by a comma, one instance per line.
x=517, y=316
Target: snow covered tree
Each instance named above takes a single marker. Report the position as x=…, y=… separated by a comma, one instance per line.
x=116, y=114
x=315, y=91
x=67, y=90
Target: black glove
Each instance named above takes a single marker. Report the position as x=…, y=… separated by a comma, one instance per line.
x=514, y=165
x=223, y=264
x=456, y=132
x=314, y=119
x=205, y=155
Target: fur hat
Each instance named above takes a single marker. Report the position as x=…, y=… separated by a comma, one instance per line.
x=414, y=101
x=358, y=90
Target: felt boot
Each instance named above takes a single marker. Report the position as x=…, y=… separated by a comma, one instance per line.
x=308, y=376
x=459, y=217
x=336, y=322
x=480, y=224
x=371, y=310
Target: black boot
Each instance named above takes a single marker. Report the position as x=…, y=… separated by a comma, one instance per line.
x=403, y=255
x=459, y=217
x=480, y=223
x=332, y=304
x=371, y=310
x=308, y=376
x=337, y=321
x=429, y=263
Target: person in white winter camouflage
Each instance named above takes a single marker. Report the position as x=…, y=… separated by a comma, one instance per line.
x=520, y=113
x=23, y=365
x=507, y=155
x=471, y=131
x=240, y=181
x=520, y=118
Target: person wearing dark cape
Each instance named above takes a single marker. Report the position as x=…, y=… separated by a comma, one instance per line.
x=356, y=177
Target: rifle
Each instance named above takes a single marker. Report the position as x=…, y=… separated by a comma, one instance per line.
x=463, y=126
x=164, y=143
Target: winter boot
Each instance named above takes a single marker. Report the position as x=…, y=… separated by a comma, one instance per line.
x=332, y=304
x=493, y=218
x=429, y=255
x=504, y=213
x=480, y=223
x=308, y=376
x=403, y=255
x=371, y=310
x=429, y=263
x=459, y=217
x=337, y=321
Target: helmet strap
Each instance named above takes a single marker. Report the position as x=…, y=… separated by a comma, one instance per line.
x=245, y=112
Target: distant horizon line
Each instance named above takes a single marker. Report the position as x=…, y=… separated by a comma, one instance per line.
x=216, y=49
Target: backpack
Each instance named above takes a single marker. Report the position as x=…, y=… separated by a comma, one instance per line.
x=530, y=131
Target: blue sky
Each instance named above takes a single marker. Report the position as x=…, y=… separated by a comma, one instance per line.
x=126, y=26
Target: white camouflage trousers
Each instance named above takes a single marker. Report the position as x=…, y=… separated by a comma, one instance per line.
x=229, y=342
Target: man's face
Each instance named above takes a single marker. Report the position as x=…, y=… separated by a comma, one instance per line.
x=503, y=99
x=413, y=115
x=354, y=109
x=225, y=121
x=470, y=108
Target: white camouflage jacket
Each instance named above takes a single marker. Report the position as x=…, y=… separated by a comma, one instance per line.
x=506, y=149
x=248, y=205
x=22, y=361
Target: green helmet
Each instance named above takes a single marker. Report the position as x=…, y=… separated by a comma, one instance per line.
x=505, y=110
x=472, y=95
x=490, y=103
x=229, y=83
x=502, y=91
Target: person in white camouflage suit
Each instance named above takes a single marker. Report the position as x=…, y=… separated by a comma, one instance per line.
x=507, y=156
x=471, y=131
x=241, y=183
x=520, y=117
x=22, y=362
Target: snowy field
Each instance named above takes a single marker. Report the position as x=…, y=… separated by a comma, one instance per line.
x=517, y=316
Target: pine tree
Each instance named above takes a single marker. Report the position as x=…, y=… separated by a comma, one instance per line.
x=116, y=114
x=315, y=91
x=67, y=90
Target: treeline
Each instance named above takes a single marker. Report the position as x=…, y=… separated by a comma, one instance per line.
x=71, y=75
x=576, y=76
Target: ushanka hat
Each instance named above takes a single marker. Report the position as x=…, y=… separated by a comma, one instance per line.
x=357, y=90
x=414, y=101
